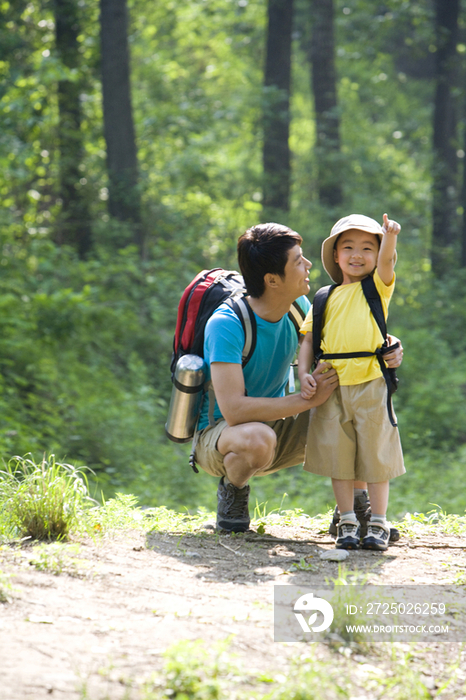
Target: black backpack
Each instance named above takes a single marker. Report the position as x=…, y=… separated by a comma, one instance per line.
x=375, y=305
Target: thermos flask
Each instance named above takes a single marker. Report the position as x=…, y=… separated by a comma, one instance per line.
x=185, y=401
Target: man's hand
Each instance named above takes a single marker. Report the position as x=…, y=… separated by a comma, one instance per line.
x=236, y=407
x=327, y=381
x=308, y=386
x=394, y=358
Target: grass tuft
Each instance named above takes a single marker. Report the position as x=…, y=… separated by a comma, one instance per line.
x=42, y=501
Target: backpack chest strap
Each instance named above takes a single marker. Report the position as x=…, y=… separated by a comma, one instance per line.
x=388, y=374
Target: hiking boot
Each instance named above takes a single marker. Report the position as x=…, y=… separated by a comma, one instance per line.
x=232, y=507
x=349, y=534
x=377, y=537
x=362, y=509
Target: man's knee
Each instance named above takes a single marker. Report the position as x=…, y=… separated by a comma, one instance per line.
x=253, y=442
x=260, y=445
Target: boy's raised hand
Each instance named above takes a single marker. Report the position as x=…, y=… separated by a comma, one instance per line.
x=390, y=226
x=387, y=252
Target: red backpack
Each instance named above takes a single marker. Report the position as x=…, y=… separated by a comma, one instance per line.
x=202, y=297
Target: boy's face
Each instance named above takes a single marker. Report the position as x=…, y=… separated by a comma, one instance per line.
x=356, y=253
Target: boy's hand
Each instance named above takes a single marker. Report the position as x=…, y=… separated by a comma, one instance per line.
x=308, y=386
x=390, y=226
x=394, y=358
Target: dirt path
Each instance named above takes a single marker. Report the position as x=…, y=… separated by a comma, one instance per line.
x=98, y=630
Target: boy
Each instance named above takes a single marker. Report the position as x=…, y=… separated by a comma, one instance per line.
x=350, y=437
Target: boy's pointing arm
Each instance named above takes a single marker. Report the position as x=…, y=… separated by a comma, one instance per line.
x=386, y=259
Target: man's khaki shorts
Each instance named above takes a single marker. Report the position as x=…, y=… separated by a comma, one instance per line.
x=350, y=436
x=291, y=443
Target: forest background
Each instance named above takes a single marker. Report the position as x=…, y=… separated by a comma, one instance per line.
x=137, y=142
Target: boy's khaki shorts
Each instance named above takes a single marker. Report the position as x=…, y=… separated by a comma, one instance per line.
x=291, y=443
x=350, y=436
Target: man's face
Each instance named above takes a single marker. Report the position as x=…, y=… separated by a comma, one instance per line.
x=296, y=278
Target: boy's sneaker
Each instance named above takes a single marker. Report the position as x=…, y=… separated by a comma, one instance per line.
x=362, y=509
x=377, y=537
x=232, y=507
x=348, y=535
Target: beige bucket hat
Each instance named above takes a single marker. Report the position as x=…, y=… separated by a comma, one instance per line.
x=354, y=221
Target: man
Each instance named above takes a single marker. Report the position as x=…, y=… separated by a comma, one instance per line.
x=253, y=428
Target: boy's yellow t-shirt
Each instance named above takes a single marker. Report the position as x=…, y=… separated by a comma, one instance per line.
x=349, y=326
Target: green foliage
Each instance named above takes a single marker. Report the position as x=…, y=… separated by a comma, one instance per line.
x=164, y=520
x=200, y=62
x=310, y=678
x=431, y=476
x=85, y=345
x=192, y=672
x=84, y=361
x=42, y=501
x=5, y=587
x=116, y=513
x=123, y=512
x=29, y=151
x=344, y=594
x=414, y=524
x=55, y=558
x=405, y=683
x=303, y=565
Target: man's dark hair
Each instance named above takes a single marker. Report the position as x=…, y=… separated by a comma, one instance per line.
x=263, y=249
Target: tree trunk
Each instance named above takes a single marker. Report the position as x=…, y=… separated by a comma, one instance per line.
x=75, y=225
x=124, y=197
x=463, y=219
x=276, y=117
x=327, y=148
x=463, y=187
x=444, y=186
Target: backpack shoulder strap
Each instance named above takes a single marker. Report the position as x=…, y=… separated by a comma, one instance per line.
x=248, y=321
x=375, y=303
x=318, y=308
x=240, y=306
x=296, y=316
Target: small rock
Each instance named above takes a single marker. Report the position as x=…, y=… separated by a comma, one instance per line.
x=335, y=554
x=429, y=681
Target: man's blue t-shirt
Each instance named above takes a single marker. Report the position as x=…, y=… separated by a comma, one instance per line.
x=266, y=373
